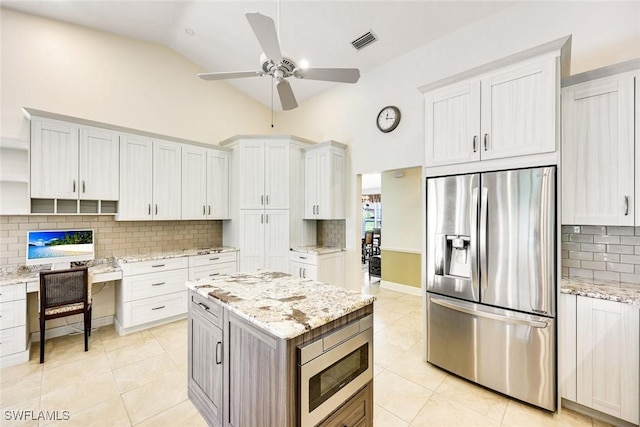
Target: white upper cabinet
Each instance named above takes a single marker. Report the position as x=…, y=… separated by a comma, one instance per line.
x=506, y=113
x=598, y=152
x=71, y=161
x=136, y=178
x=205, y=183
x=54, y=160
x=98, y=168
x=264, y=182
x=518, y=112
x=150, y=179
x=452, y=124
x=167, y=189
x=324, y=181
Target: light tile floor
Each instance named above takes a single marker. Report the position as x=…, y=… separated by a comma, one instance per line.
x=141, y=379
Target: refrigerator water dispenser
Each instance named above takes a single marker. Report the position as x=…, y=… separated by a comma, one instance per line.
x=454, y=257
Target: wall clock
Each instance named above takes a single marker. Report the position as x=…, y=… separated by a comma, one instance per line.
x=388, y=118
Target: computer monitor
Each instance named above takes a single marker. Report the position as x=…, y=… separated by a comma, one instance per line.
x=59, y=247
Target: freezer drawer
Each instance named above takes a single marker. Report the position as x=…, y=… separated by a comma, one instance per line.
x=510, y=352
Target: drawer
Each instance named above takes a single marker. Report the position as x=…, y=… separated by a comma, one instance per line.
x=355, y=413
x=153, y=284
x=156, y=308
x=222, y=257
x=13, y=340
x=144, y=267
x=210, y=310
x=13, y=313
x=304, y=257
x=206, y=271
x=17, y=291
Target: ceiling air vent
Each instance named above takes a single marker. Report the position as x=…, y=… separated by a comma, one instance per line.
x=364, y=40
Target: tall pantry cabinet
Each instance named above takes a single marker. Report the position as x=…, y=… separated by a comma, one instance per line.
x=266, y=210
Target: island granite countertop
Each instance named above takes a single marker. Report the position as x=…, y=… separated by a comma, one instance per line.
x=281, y=304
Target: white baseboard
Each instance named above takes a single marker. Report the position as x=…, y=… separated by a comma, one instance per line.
x=121, y=330
x=15, y=359
x=411, y=290
x=59, y=331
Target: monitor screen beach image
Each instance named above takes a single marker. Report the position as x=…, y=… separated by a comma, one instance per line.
x=76, y=244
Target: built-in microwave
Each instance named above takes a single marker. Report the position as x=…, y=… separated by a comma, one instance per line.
x=333, y=368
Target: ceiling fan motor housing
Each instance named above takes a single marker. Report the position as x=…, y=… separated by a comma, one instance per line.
x=286, y=67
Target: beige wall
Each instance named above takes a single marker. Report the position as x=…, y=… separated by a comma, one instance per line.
x=79, y=72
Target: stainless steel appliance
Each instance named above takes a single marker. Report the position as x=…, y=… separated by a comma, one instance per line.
x=333, y=368
x=491, y=280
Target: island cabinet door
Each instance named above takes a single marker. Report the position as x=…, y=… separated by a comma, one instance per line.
x=205, y=362
x=255, y=398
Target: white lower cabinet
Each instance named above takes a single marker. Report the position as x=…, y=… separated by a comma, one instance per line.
x=13, y=324
x=606, y=368
x=211, y=265
x=327, y=268
x=151, y=292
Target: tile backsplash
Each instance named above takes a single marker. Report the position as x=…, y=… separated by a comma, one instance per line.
x=331, y=233
x=112, y=238
x=601, y=252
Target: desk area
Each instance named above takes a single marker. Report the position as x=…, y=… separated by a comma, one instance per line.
x=128, y=277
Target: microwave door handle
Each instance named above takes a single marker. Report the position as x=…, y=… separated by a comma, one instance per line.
x=487, y=315
x=483, y=237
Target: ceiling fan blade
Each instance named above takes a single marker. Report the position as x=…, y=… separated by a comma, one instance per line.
x=287, y=98
x=229, y=75
x=265, y=31
x=343, y=75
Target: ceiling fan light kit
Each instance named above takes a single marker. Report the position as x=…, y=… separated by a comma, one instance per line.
x=273, y=64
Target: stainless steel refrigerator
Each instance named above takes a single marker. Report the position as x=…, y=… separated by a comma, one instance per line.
x=491, y=280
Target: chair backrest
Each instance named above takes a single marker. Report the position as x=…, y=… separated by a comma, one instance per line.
x=63, y=287
x=368, y=237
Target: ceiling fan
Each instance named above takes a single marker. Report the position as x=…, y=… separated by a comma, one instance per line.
x=279, y=67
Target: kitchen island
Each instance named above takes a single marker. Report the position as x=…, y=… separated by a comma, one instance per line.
x=269, y=349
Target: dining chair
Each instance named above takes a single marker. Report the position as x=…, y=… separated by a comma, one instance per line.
x=65, y=293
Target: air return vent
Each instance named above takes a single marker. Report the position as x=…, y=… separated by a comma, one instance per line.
x=364, y=40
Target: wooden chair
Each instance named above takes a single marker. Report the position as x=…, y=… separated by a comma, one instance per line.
x=367, y=245
x=64, y=293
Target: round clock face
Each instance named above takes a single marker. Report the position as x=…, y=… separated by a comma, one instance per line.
x=388, y=118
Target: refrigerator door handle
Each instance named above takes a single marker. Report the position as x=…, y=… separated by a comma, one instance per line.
x=474, y=236
x=473, y=312
x=483, y=237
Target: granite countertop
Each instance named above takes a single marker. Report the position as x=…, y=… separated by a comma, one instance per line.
x=627, y=293
x=176, y=254
x=279, y=303
x=320, y=250
x=10, y=276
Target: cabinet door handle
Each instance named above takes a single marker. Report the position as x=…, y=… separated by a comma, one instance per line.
x=475, y=143
x=203, y=210
x=304, y=273
x=486, y=137
x=83, y=186
x=300, y=272
x=209, y=209
x=218, y=358
x=626, y=205
x=158, y=284
x=267, y=217
x=261, y=218
x=317, y=209
x=74, y=186
x=156, y=209
x=149, y=208
x=262, y=200
x=267, y=198
x=158, y=308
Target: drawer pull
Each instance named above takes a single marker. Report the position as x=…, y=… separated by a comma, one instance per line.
x=158, y=284
x=218, y=347
x=214, y=274
x=214, y=258
x=206, y=307
x=157, y=265
x=158, y=308
x=303, y=257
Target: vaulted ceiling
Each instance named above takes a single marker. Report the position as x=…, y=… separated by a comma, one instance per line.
x=216, y=35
